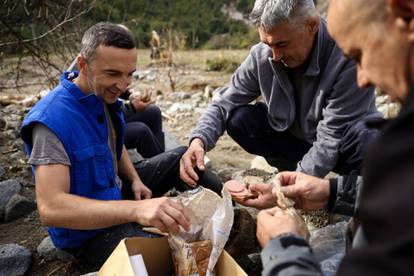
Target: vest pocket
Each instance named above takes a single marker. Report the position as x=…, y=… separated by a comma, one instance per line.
x=91, y=169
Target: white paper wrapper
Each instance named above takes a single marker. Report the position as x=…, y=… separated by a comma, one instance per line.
x=211, y=219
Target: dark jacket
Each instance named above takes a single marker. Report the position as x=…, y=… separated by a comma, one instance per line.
x=386, y=212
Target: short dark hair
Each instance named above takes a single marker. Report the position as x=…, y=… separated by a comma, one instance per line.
x=107, y=34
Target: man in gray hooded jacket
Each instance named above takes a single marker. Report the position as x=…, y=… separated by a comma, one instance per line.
x=310, y=113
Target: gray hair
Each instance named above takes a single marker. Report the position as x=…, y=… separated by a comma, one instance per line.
x=107, y=34
x=269, y=13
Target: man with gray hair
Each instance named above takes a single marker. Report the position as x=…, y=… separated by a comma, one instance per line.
x=311, y=115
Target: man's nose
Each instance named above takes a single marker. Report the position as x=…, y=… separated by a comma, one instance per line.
x=124, y=83
x=362, y=78
x=277, y=54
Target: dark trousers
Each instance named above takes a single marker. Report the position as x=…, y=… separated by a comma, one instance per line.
x=160, y=174
x=143, y=131
x=249, y=127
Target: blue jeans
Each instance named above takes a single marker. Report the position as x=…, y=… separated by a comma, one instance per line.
x=249, y=126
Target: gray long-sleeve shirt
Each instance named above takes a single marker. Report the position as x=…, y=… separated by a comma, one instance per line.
x=329, y=100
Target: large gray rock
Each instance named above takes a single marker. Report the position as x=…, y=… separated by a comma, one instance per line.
x=328, y=241
x=171, y=142
x=14, y=259
x=179, y=108
x=48, y=251
x=242, y=241
x=226, y=173
x=17, y=207
x=8, y=189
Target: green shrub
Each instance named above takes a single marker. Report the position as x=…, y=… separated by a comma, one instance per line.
x=221, y=64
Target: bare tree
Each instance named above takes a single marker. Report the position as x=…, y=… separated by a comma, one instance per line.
x=41, y=33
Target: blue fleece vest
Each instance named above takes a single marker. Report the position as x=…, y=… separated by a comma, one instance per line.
x=78, y=120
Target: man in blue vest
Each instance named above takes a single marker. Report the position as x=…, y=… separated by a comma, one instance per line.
x=74, y=137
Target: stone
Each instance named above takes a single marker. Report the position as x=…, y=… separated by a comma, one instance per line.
x=8, y=189
x=2, y=171
x=179, y=96
x=179, y=107
x=226, y=173
x=17, y=207
x=47, y=250
x=261, y=164
x=2, y=124
x=19, y=144
x=208, y=92
x=14, y=259
x=134, y=156
x=241, y=240
x=328, y=241
x=171, y=142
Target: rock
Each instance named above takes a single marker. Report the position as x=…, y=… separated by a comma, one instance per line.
x=2, y=171
x=17, y=207
x=14, y=259
x=171, y=142
x=2, y=124
x=261, y=164
x=208, y=92
x=242, y=239
x=48, y=251
x=19, y=144
x=8, y=189
x=328, y=241
x=226, y=173
x=179, y=96
x=134, y=156
x=179, y=107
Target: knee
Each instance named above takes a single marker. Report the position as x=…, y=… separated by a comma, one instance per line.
x=137, y=129
x=155, y=112
x=236, y=120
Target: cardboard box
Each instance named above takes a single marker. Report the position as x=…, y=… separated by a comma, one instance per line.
x=157, y=259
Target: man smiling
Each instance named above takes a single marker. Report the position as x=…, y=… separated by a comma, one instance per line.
x=74, y=137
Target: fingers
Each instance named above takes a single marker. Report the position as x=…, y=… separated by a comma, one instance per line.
x=260, y=188
x=291, y=191
x=199, y=158
x=169, y=216
x=147, y=194
x=286, y=178
x=187, y=173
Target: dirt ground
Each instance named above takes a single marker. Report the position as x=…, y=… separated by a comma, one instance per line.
x=187, y=75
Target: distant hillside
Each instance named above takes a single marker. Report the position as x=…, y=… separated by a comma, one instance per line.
x=184, y=23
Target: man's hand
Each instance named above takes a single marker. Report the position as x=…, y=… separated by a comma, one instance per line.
x=162, y=213
x=140, y=191
x=266, y=198
x=308, y=192
x=194, y=156
x=273, y=222
x=140, y=101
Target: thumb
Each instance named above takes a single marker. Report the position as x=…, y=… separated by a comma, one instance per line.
x=200, y=160
x=290, y=191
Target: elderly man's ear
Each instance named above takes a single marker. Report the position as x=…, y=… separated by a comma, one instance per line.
x=403, y=11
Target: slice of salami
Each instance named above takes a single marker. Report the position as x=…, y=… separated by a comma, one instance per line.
x=234, y=186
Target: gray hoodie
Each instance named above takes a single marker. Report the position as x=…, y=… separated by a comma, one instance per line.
x=329, y=101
